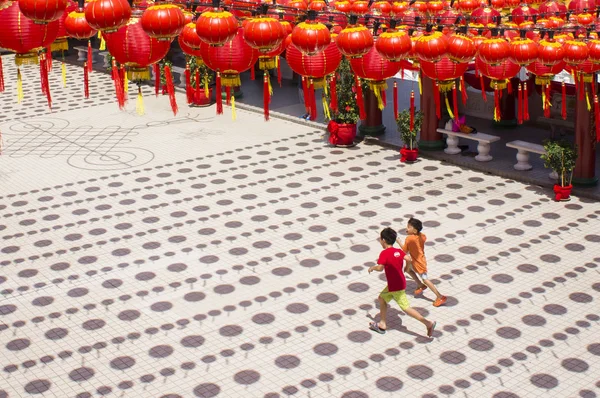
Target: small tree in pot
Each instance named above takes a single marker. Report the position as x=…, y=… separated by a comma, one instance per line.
x=561, y=156
x=409, y=152
x=199, y=91
x=342, y=127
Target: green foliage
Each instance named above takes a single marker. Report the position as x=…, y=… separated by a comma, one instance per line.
x=202, y=68
x=347, y=106
x=409, y=136
x=162, y=63
x=560, y=156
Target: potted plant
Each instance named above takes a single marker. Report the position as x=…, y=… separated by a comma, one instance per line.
x=201, y=80
x=560, y=156
x=409, y=152
x=342, y=125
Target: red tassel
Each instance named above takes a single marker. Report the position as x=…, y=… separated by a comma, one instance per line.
x=219, y=95
x=227, y=95
x=498, y=115
x=196, y=91
x=48, y=59
x=253, y=72
x=509, y=87
x=279, y=77
x=42, y=81
x=597, y=117
x=483, y=94
x=463, y=91
x=188, y=81
x=1, y=76
x=525, y=102
x=436, y=96
x=266, y=96
x=305, y=93
x=44, y=67
x=412, y=109
x=547, y=102
x=156, y=67
x=564, y=101
x=90, y=57
x=86, y=87
x=520, y=105
x=396, y=100
x=171, y=90
x=455, y=102
x=122, y=76
x=118, y=86
x=313, y=101
x=333, y=91
x=360, y=100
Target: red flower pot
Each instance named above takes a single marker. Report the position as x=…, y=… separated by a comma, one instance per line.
x=408, y=155
x=562, y=194
x=200, y=99
x=341, y=134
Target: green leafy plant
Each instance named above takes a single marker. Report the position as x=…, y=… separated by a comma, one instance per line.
x=162, y=63
x=346, y=96
x=202, y=68
x=409, y=136
x=560, y=156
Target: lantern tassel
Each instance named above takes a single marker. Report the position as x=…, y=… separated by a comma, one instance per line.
x=325, y=107
x=333, y=91
x=44, y=66
x=48, y=59
x=587, y=100
x=188, y=82
x=383, y=97
x=597, y=117
x=395, y=94
x=124, y=83
x=171, y=90
x=525, y=102
x=139, y=105
x=497, y=114
x=412, y=110
x=546, y=100
x=360, y=99
x=448, y=108
x=279, y=77
x=455, y=101
x=42, y=80
x=118, y=87
x=219, y=95
x=63, y=73
x=313, y=101
x=253, y=72
x=564, y=101
x=420, y=84
x=520, y=105
x=266, y=96
x=305, y=94
x=483, y=94
x=1, y=77
x=233, y=113
x=509, y=87
x=19, y=86
x=156, y=68
x=227, y=95
x=270, y=86
x=102, y=42
x=463, y=91
x=86, y=81
x=436, y=96
x=206, y=88
x=90, y=56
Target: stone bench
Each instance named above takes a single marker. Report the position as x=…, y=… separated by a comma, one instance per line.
x=523, y=149
x=178, y=75
x=483, y=147
x=82, y=54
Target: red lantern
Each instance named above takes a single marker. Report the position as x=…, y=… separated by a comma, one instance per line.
x=381, y=8
x=494, y=51
x=467, y=6
x=42, y=12
x=550, y=52
x=393, y=45
x=354, y=41
x=399, y=7
x=163, y=21
x=461, y=48
x=311, y=37
x=499, y=74
x=216, y=27
x=78, y=27
x=188, y=16
x=263, y=33
x=317, y=5
x=585, y=71
x=485, y=16
x=576, y=52
x=522, y=14
x=431, y=46
x=231, y=59
x=434, y=7
x=360, y=7
x=420, y=7
x=131, y=46
x=61, y=43
x=189, y=41
x=315, y=66
x=107, y=15
x=299, y=5
x=523, y=51
x=343, y=6
x=444, y=72
x=552, y=7
x=544, y=73
x=594, y=51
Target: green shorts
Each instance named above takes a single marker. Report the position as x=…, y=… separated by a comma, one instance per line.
x=398, y=296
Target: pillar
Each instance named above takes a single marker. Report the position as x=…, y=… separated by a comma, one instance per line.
x=585, y=135
x=430, y=139
x=373, y=124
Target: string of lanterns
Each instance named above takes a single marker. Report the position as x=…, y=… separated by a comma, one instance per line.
x=440, y=39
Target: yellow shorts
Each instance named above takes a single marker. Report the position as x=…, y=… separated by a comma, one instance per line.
x=398, y=296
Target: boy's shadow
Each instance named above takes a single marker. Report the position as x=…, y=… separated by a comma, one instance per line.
x=394, y=322
x=411, y=286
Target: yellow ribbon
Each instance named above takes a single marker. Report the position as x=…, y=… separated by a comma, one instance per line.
x=233, y=115
x=270, y=87
x=63, y=70
x=326, y=108
x=587, y=98
x=420, y=87
x=448, y=108
x=102, y=42
x=139, y=105
x=19, y=87
x=206, y=92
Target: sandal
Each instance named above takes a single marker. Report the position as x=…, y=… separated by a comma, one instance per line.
x=374, y=326
x=440, y=301
x=420, y=290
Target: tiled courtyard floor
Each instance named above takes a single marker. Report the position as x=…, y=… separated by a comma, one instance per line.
x=196, y=256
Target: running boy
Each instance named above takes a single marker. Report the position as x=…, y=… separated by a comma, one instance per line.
x=414, y=245
x=391, y=260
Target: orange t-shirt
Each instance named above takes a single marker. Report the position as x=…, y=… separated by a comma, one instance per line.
x=415, y=246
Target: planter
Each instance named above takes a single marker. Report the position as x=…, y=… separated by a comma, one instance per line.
x=341, y=134
x=408, y=155
x=201, y=100
x=562, y=194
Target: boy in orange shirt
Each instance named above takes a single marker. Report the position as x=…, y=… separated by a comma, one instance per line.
x=414, y=245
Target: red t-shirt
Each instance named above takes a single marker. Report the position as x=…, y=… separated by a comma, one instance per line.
x=393, y=261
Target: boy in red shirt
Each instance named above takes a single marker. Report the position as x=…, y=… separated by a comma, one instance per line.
x=391, y=260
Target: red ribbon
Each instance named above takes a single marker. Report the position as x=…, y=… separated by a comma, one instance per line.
x=520, y=105
x=219, y=95
x=396, y=100
x=171, y=90
x=266, y=96
x=86, y=87
x=313, y=101
x=118, y=86
x=564, y=101
x=90, y=57
x=279, y=77
x=1, y=76
x=455, y=102
x=333, y=90
x=333, y=129
x=306, y=95
x=227, y=95
x=463, y=91
x=45, y=84
x=197, y=90
x=188, y=81
x=156, y=78
x=525, y=102
x=359, y=99
x=546, y=88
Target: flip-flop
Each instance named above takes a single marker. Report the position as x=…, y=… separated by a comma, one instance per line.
x=430, y=329
x=374, y=326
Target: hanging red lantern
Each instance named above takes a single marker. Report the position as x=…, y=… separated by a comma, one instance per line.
x=360, y=7
x=264, y=33
x=399, y=7
x=299, y=5
x=553, y=7
x=381, y=8
x=189, y=38
x=461, y=48
x=61, y=43
x=467, y=6
x=494, y=50
x=107, y=15
x=576, y=52
x=448, y=17
x=420, y=7
x=550, y=52
x=523, y=13
x=310, y=37
x=355, y=40
x=393, y=45
x=523, y=51
x=434, y=7
x=216, y=27
x=163, y=21
x=78, y=27
x=343, y=6
x=544, y=73
x=497, y=4
x=42, y=12
x=188, y=17
x=444, y=72
x=431, y=46
x=485, y=16
x=594, y=51
x=500, y=74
